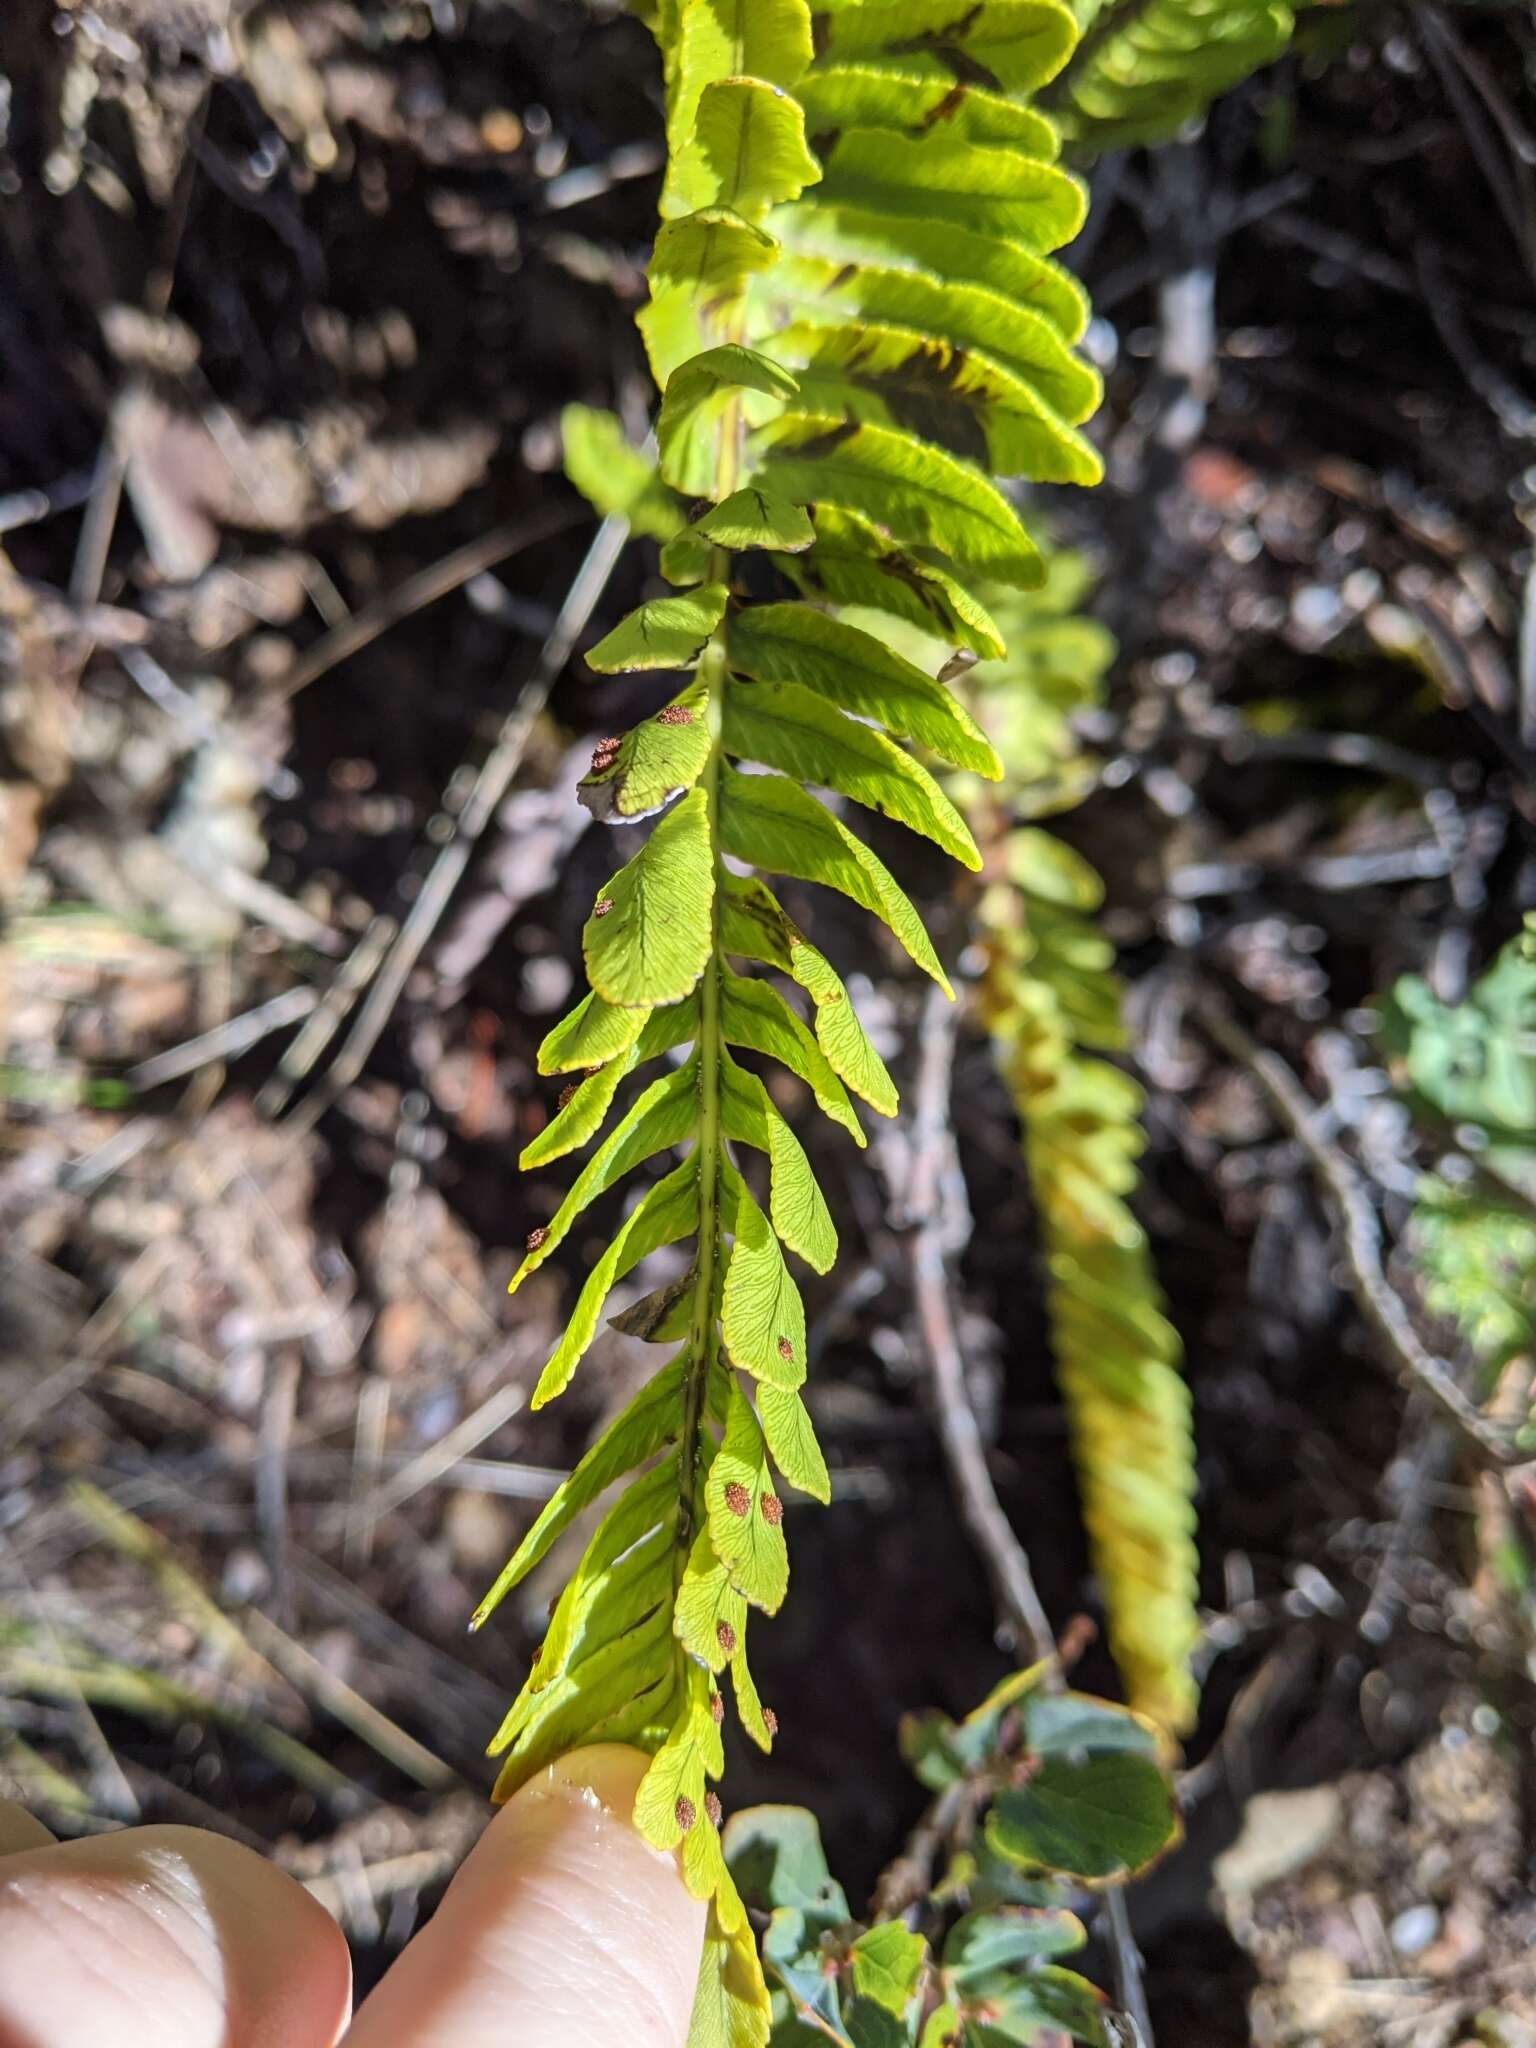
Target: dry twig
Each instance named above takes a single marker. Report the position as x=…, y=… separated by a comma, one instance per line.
x=1382, y=1308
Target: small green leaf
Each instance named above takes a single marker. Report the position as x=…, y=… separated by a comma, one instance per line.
x=869, y=96
x=775, y=1855
x=770, y=822
x=793, y=1953
x=984, y=1950
x=749, y=1708
x=793, y=643
x=1012, y=419
x=662, y=1116
x=943, y=2028
x=787, y=727
x=731, y=2007
x=666, y=1212
x=1042, y=865
x=749, y=518
x=637, y=1433
x=695, y=401
x=615, y=478
x=762, y=1319
x=1019, y=43
x=652, y=929
x=754, y=1014
x=922, y=496
x=701, y=261
x=888, y=1963
x=589, y=1036
x=754, y=926
x=747, y=152
x=1041, y=2008
x=670, y=1800
x=995, y=190
x=745, y=1514
x=768, y=39
x=855, y=563
x=581, y=1117
x=710, y=1617
x=1100, y=1820
x=792, y=1440
x=665, y=632
x=799, y=1211
x=659, y=757
x=756, y=518
x=1064, y=1723
x=946, y=253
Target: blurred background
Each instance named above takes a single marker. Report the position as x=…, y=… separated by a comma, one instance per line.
x=291, y=299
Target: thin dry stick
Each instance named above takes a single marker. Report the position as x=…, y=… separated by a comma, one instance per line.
x=352, y=977
x=935, y=1164
x=440, y=1458
x=490, y=787
x=1378, y=1302
x=420, y=590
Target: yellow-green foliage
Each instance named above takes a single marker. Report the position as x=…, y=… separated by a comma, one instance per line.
x=1144, y=67
x=854, y=320
x=1053, y=1004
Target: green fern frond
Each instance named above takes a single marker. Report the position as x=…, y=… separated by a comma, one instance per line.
x=1144, y=67
x=854, y=321
x=1053, y=1001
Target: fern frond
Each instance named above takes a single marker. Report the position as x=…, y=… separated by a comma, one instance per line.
x=1144, y=67
x=1053, y=1002
x=854, y=320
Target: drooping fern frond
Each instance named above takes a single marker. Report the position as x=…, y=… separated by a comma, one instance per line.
x=854, y=318
x=1144, y=67
x=1054, y=1003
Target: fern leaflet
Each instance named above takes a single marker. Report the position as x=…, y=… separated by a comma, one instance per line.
x=1144, y=67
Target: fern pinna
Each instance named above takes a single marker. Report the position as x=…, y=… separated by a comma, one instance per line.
x=1143, y=67
x=853, y=316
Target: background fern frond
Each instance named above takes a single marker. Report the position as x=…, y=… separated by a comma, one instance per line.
x=1053, y=1003
x=1144, y=67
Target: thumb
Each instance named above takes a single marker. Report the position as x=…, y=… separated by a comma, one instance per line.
x=563, y=1929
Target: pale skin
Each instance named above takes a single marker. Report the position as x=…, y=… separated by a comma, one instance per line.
x=562, y=1929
